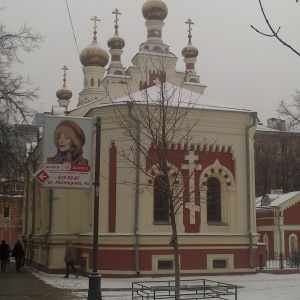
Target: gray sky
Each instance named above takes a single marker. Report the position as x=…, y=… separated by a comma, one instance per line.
x=239, y=66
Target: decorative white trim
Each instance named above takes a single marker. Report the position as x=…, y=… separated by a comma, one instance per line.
x=227, y=181
x=293, y=235
x=217, y=170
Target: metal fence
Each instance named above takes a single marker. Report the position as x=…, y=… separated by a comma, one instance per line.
x=280, y=260
x=189, y=290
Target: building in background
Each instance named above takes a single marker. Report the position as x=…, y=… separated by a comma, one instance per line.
x=11, y=210
x=278, y=222
x=277, y=159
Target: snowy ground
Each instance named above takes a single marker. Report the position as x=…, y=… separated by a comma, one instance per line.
x=251, y=287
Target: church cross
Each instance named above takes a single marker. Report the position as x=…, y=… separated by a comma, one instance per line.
x=192, y=207
x=190, y=23
x=95, y=19
x=116, y=12
x=156, y=81
x=192, y=167
x=65, y=74
x=191, y=157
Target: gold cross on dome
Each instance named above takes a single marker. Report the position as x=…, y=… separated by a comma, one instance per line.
x=116, y=12
x=95, y=19
x=65, y=74
x=190, y=23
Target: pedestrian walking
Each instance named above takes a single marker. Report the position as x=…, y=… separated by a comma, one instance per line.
x=18, y=253
x=70, y=257
x=4, y=254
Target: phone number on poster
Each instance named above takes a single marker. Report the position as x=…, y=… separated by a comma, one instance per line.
x=64, y=177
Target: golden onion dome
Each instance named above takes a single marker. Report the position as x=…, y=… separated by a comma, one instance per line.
x=94, y=55
x=189, y=51
x=64, y=94
x=155, y=10
x=116, y=42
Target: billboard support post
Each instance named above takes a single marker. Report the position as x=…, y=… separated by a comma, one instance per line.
x=94, y=292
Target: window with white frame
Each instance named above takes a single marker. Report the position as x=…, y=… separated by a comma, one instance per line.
x=161, y=203
x=266, y=241
x=293, y=243
x=213, y=200
x=163, y=263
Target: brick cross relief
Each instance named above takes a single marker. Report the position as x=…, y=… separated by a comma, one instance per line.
x=191, y=166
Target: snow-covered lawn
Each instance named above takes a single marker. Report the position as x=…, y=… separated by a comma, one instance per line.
x=251, y=287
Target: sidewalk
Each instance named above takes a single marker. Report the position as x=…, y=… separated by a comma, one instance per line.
x=23, y=285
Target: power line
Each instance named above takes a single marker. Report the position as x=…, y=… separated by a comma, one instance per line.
x=72, y=27
x=74, y=35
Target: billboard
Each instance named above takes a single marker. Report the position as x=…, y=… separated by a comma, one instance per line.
x=67, y=153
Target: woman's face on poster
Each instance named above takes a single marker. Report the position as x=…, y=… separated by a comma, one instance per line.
x=64, y=142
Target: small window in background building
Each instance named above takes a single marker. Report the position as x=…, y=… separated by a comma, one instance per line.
x=219, y=264
x=279, y=147
x=19, y=186
x=165, y=265
x=6, y=212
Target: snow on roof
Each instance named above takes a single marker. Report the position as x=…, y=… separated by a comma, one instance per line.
x=266, y=128
x=180, y=95
x=157, y=53
x=276, y=200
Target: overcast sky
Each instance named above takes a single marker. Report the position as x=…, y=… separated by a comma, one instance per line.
x=239, y=66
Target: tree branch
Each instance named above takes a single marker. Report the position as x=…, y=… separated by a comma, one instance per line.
x=274, y=33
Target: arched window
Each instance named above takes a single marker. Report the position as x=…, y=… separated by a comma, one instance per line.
x=293, y=243
x=213, y=200
x=161, y=205
x=92, y=82
x=98, y=82
x=266, y=241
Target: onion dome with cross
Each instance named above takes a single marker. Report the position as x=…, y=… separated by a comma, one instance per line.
x=94, y=54
x=190, y=50
x=116, y=42
x=64, y=95
x=190, y=54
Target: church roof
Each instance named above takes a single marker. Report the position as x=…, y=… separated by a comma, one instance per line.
x=179, y=95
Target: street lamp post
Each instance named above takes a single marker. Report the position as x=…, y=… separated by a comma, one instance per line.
x=94, y=292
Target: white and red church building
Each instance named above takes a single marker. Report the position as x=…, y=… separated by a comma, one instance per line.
x=134, y=234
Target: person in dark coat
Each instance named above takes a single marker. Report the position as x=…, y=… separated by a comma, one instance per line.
x=19, y=254
x=4, y=254
x=70, y=257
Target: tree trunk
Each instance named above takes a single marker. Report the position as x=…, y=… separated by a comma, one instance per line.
x=174, y=244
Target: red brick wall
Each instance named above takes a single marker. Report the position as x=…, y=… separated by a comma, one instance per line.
x=291, y=215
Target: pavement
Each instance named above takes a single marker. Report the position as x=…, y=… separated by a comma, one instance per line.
x=24, y=285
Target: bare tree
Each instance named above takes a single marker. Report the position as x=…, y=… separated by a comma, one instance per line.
x=291, y=111
x=162, y=126
x=274, y=33
x=15, y=95
x=277, y=163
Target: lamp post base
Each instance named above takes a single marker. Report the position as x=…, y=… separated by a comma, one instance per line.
x=94, y=292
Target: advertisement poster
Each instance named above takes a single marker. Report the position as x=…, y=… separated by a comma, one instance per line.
x=67, y=153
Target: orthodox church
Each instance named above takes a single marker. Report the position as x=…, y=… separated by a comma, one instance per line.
x=214, y=168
